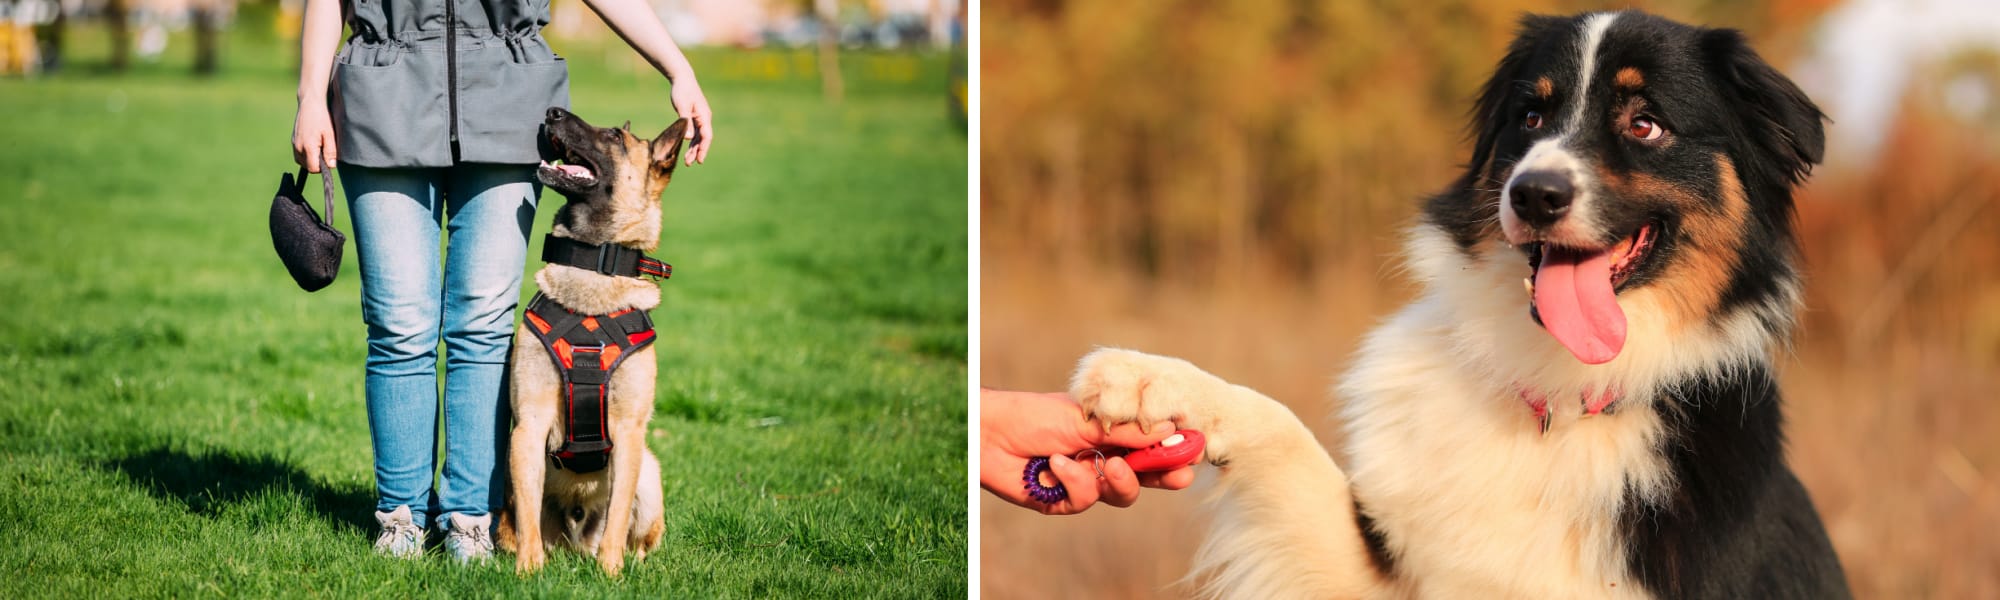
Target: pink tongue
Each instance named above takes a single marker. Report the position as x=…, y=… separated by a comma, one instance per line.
x=1573, y=295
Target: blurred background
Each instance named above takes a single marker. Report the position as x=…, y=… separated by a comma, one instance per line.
x=811, y=404
x=1225, y=182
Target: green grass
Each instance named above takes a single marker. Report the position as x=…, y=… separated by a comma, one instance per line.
x=178, y=419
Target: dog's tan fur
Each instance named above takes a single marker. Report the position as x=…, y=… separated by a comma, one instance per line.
x=573, y=512
x=626, y=496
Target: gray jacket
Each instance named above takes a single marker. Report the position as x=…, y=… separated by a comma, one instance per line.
x=406, y=96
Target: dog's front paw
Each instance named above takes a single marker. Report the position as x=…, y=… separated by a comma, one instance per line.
x=529, y=558
x=613, y=561
x=1121, y=386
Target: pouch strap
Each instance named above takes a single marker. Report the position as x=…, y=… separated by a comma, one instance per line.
x=326, y=186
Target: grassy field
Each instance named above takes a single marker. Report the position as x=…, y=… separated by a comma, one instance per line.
x=178, y=419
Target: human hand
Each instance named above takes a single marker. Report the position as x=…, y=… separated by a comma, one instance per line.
x=312, y=136
x=692, y=105
x=1017, y=426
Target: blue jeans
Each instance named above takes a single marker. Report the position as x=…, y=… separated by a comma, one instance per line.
x=409, y=302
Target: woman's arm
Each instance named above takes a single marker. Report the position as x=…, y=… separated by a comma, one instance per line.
x=312, y=129
x=635, y=21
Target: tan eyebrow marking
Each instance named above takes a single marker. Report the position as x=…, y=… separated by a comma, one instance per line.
x=1544, y=88
x=1629, y=78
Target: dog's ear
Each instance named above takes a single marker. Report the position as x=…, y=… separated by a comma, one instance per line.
x=667, y=147
x=1487, y=121
x=1777, y=117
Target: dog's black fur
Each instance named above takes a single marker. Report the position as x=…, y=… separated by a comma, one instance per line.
x=1738, y=523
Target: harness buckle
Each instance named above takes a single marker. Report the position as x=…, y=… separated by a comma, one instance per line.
x=591, y=373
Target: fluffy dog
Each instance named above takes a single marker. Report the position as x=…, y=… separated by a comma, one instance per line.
x=612, y=181
x=1614, y=432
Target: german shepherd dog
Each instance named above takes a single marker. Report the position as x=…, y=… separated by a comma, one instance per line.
x=612, y=182
x=1612, y=433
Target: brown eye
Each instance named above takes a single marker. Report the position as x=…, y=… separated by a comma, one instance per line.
x=1532, y=121
x=1645, y=129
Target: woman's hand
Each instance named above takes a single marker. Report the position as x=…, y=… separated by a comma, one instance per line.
x=691, y=104
x=640, y=26
x=312, y=136
x=1016, y=426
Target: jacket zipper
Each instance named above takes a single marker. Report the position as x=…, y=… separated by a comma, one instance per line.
x=451, y=71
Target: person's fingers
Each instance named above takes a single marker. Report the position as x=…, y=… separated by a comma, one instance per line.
x=329, y=150
x=1081, y=481
x=1121, y=485
x=707, y=136
x=1177, y=479
x=312, y=155
x=696, y=119
x=687, y=111
x=1011, y=491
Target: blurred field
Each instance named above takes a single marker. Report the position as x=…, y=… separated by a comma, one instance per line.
x=1225, y=182
x=178, y=419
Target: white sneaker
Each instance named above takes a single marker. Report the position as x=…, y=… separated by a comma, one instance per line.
x=401, y=537
x=469, y=539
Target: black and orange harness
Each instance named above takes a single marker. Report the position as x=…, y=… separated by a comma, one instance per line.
x=586, y=349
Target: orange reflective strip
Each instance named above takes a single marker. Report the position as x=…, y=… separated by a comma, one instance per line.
x=540, y=325
x=610, y=357
x=590, y=323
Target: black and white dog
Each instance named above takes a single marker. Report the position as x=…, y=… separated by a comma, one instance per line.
x=1612, y=432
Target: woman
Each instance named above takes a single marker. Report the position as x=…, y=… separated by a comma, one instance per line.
x=440, y=132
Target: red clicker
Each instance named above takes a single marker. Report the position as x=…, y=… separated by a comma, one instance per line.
x=1181, y=449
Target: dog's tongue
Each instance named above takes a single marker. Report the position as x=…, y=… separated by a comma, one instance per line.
x=1573, y=294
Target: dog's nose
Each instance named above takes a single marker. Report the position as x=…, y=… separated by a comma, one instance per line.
x=555, y=114
x=1541, y=198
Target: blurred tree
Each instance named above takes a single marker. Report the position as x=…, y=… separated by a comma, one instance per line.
x=829, y=49
x=49, y=38
x=205, y=16
x=117, y=15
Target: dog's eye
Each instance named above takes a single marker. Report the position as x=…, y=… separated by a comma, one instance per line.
x=1645, y=129
x=576, y=513
x=1533, y=120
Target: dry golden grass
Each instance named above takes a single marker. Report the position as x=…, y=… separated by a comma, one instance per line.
x=1126, y=229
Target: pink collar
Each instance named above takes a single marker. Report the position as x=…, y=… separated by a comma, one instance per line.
x=1539, y=403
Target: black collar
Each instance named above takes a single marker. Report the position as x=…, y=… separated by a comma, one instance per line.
x=607, y=259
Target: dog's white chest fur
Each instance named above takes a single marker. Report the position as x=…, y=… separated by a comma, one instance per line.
x=1473, y=498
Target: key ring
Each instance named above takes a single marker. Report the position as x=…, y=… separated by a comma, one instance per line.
x=1031, y=477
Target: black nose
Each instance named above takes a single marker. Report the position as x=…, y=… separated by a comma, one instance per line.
x=1541, y=197
x=556, y=114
